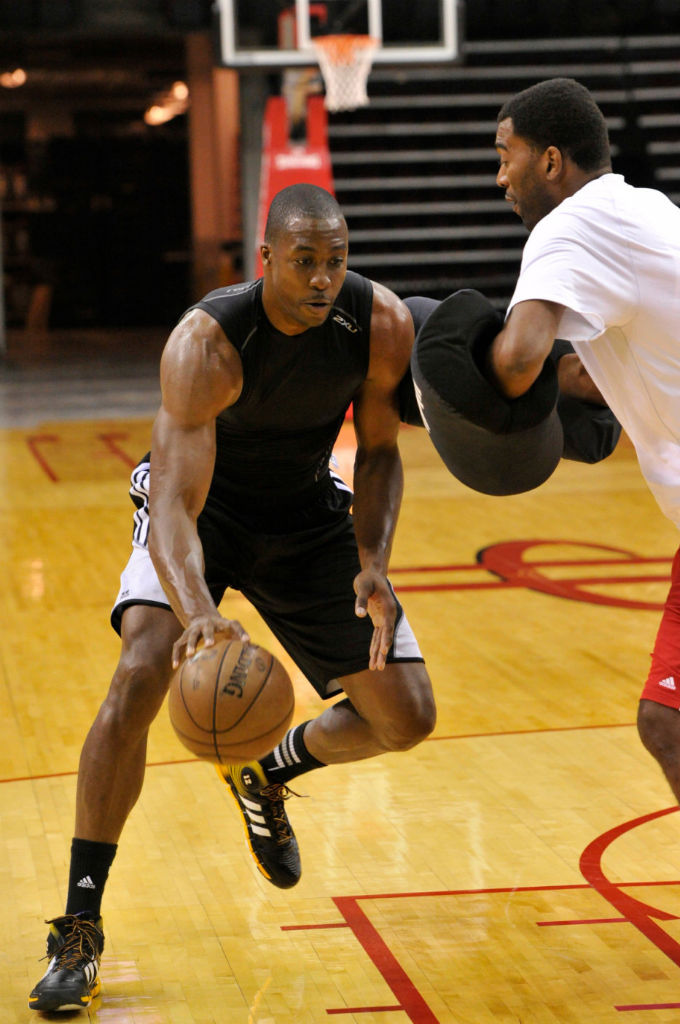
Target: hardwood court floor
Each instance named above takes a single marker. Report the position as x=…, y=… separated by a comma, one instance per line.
x=520, y=866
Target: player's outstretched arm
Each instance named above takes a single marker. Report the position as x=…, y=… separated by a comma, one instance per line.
x=200, y=375
x=378, y=476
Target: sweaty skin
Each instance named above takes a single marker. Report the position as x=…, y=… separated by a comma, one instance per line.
x=304, y=269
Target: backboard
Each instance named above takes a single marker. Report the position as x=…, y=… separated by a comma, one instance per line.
x=278, y=33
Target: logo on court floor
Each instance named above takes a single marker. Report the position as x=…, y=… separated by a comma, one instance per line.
x=575, y=570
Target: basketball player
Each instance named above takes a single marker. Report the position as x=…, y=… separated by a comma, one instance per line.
x=256, y=380
x=601, y=268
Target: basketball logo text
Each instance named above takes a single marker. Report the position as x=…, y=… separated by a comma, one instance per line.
x=237, y=680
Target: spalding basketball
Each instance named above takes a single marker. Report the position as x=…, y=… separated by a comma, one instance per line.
x=231, y=702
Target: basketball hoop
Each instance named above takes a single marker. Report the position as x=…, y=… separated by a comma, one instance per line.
x=345, y=61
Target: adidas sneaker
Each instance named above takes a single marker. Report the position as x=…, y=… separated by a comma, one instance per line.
x=270, y=837
x=74, y=945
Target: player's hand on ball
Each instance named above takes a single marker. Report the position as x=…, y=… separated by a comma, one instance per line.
x=203, y=629
x=375, y=598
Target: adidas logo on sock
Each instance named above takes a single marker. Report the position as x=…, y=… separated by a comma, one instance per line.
x=86, y=883
x=668, y=683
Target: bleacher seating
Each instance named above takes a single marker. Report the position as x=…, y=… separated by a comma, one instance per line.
x=415, y=170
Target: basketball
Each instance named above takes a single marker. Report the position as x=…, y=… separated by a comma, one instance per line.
x=231, y=702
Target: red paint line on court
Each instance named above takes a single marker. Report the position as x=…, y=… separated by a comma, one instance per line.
x=366, y=1009
x=570, y=590
x=410, y=1000
x=430, y=739
x=540, y=563
x=63, y=775
x=114, y=449
x=650, y=1006
x=33, y=441
x=585, y=920
x=311, y=927
x=528, y=732
x=412, y=1003
x=407, y=995
x=639, y=914
x=512, y=563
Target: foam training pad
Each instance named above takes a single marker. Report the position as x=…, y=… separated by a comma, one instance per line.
x=591, y=432
x=420, y=307
x=491, y=443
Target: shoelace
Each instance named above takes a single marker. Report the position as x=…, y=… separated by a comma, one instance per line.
x=275, y=794
x=81, y=942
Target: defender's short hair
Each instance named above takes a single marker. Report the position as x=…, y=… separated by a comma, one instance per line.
x=561, y=112
x=301, y=200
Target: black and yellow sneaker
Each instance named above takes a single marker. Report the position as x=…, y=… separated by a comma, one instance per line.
x=270, y=837
x=74, y=945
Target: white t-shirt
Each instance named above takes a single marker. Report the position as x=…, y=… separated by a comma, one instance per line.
x=611, y=254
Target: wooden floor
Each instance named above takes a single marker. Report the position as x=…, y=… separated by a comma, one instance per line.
x=522, y=865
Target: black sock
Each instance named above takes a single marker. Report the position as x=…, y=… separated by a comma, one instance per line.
x=90, y=863
x=291, y=758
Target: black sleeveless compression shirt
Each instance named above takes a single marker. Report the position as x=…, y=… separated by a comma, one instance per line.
x=275, y=442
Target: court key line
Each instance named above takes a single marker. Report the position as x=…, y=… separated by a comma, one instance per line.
x=632, y=911
x=637, y=913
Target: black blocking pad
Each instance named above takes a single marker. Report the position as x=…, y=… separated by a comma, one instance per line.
x=420, y=307
x=591, y=432
x=492, y=444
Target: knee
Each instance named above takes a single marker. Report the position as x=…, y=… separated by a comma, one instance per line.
x=410, y=726
x=135, y=696
x=659, y=729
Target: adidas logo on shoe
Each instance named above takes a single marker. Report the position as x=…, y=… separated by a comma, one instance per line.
x=668, y=683
x=249, y=779
x=86, y=883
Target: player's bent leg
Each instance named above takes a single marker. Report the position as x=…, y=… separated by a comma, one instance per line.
x=659, y=729
x=384, y=711
x=395, y=711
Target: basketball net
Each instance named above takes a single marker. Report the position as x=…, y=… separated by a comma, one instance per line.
x=345, y=61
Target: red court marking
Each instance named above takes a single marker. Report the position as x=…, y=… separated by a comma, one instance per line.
x=366, y=1009
x=430, y=739
x=650, y=1006
x=408, y=996
x=33, y=441
x=529, y=732
x=311, y=927
x=62, y=775
x=110, y=442
x=509, y=561
x=635, y=911
x=410, y=1000
x=585, y=920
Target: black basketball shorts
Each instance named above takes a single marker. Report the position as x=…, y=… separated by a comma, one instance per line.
x=300, y=581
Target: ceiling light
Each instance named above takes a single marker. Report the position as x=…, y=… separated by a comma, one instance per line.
x=13, y=79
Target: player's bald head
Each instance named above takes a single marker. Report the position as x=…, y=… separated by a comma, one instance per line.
x=296, y=203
